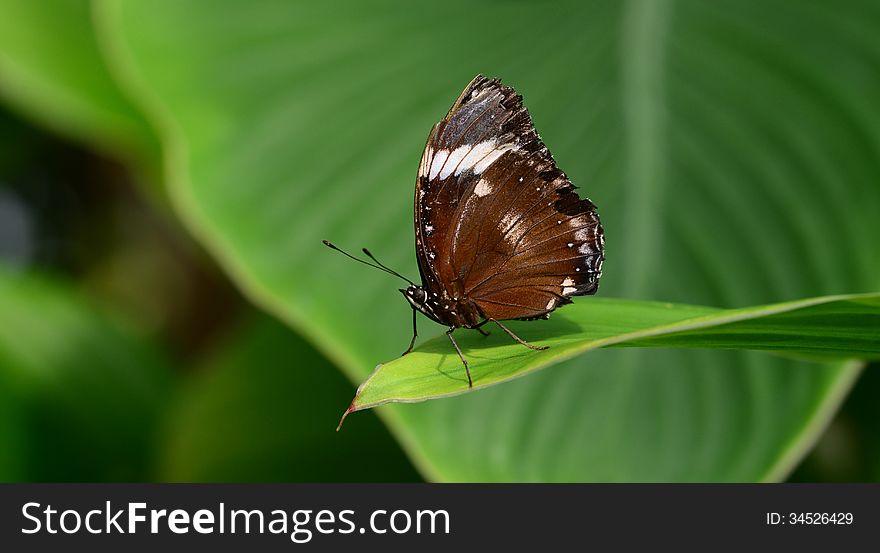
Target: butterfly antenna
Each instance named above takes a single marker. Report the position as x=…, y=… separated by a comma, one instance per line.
x=378, y=265
x=392, y=271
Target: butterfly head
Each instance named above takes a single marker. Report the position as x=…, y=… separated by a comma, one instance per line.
x=416, y=296
x=420, y=301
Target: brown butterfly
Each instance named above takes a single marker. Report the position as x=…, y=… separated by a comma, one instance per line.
x=500, y=231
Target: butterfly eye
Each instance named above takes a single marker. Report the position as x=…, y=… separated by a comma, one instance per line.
x=417, y=294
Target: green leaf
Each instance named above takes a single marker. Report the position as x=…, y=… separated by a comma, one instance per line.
x=52, y=69
x=260, y=410
x=845, y=327
x=731, y=149
x=80, y=396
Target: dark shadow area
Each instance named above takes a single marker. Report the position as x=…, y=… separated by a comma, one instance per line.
x=849, y=450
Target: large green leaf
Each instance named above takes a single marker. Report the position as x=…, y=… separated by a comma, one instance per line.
x=843, y=327
x=261, y=409
x=52, y=69
x=731, y=148
x=80, y=396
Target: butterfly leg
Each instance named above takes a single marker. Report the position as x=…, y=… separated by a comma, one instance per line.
x=483, y=332
x=517, y=338
x=415, y=334
x=461, y=356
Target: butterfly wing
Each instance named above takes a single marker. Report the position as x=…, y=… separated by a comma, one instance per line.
x=496, y=221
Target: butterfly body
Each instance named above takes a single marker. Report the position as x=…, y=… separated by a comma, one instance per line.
x=450, y=311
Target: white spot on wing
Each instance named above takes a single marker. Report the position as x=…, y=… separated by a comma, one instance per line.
x=480, y=157
x=491, y=157
x=426, y=155
x=550, y=303
x=516, y=232
x=483, y=187
x=506, y=220
x=452, y=162
x=474, y=155
x=582, y=235
x=437, y=163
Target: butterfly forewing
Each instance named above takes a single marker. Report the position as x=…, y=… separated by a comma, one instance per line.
x=458, y=149
x=497, y=223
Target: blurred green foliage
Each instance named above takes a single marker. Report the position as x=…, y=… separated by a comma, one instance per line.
x=731, y=148
x=52, y=68
x=263, y=407
x=82, y=396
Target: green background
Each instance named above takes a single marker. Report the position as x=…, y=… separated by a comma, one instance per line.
x=168, y=312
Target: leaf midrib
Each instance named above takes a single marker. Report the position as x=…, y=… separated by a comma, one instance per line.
x=643, y=65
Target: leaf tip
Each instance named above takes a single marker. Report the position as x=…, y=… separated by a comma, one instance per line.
x=351, y=409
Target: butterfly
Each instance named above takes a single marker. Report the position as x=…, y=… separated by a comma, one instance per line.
x=501, y=233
